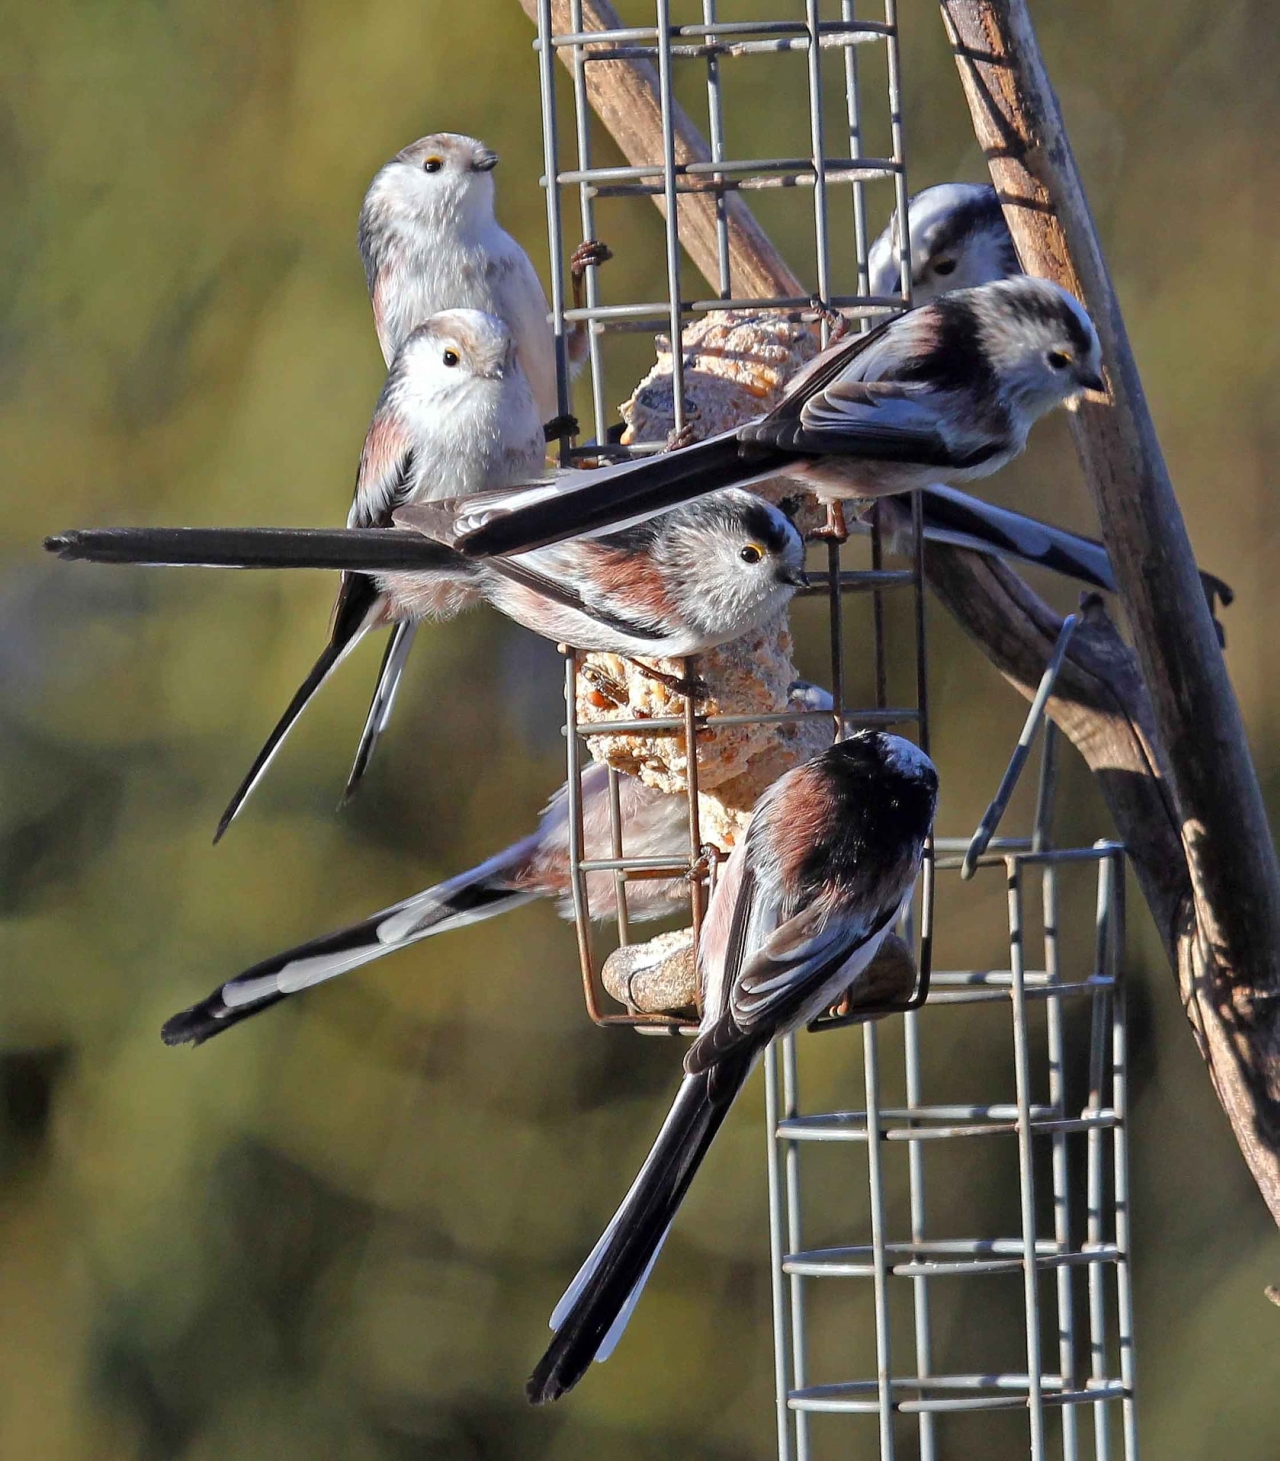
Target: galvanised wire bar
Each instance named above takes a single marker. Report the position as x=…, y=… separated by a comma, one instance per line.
x=586, y=204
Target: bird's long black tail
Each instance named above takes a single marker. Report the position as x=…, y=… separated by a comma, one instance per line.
x=617, y=495
x=371, y=550
x=356, y=607
x=383, y=702
x=482, y=892
x=594, y=1310
x=952, y=516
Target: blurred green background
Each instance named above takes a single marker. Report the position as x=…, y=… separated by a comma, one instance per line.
x=337, y=1231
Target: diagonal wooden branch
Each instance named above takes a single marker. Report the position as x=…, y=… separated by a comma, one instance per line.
x=1102, y=702
x=1223, y=826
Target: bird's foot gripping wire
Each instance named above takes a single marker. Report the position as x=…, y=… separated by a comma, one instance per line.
x=823, y=314
x=685, y=436
x=589, y=254
x=689, y=685
x=605, y=690
x=835, y=529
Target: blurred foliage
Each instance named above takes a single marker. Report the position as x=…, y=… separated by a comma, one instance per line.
x=338, y=1231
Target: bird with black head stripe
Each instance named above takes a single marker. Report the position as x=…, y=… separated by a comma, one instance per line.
x=946, y=392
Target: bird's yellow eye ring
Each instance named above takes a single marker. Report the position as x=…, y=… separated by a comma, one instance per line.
x=752, y=553
x=450, y=357
x=1059, y=359
x=433, y=164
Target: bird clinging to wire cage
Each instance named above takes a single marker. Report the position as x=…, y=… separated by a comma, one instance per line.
x=456, y=416
x=429, y=242
x=949, y=390
x=831, y=854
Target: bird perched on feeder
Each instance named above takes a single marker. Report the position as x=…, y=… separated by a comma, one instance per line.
x=429, y=242
x=949, y=390
x=654, y=824
x=811, y=891
x=456, y=416
x=671, y=586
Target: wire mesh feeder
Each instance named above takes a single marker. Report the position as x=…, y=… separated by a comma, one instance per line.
x=731, y=362
x=1055, y=1128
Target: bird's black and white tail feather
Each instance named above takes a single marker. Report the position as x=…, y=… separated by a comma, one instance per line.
x=591, y=1316
x=483, y=892
x=383, y=702
x=353, y=616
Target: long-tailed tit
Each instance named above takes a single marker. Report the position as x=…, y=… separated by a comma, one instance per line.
x=455, y=416
x=829, y=857
x=429, y=242
x=654, y=824
x=670, y=586
x=959, y=239
x=947, y=391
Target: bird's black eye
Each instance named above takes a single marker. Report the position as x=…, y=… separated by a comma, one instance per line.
x=433, y=164
x=945, y=267
x=450, y=357
x=752, y=553
x=1058, y=360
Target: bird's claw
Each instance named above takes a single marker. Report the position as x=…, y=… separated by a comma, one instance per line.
x=823, y=314
x=688, y=685
x=685, y=436
x=604, y=685
x=834, y=530
x=590, y=253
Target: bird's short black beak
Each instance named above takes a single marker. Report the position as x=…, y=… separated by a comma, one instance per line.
x=1093, y=382
x=794, y=577
x=486, y=160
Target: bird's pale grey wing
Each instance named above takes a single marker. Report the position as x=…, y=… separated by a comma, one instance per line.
x=721, y=943
x=825, y=367
x=525, y=311
x=784, y=974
